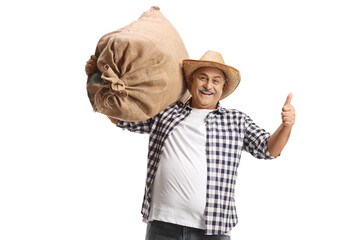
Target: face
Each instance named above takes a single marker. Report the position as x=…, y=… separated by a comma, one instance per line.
x=206, y=87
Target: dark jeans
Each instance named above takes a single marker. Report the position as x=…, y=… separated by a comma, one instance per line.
x=157, y=230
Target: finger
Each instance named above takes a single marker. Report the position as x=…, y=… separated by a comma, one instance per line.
x=91, y=63
x=288, y=118
x=288, y=114
x=89, y=69
x=288, y=99
x=93, y=57
x=288, y=108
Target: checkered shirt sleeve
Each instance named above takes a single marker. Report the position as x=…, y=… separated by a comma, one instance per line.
x=137, y=127
x=255, y=140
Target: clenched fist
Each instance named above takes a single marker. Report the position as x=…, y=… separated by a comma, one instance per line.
x=91, y=66
x=288, y=112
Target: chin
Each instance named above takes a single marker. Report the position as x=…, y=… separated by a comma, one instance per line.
x=207, y=105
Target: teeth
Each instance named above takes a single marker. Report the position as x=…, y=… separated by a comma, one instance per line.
x=207, y=93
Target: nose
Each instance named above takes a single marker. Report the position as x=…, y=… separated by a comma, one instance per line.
x=208, y=85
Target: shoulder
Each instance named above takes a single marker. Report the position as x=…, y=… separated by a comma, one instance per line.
x=173, y=107
x=168, y=111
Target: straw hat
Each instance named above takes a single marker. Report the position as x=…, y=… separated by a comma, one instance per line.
x=213, y=59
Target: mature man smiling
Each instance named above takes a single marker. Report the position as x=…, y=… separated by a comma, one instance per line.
x=194, y=153
x=206, y=87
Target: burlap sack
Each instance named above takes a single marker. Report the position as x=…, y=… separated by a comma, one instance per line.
x=140, y=70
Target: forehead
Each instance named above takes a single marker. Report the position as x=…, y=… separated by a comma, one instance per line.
x=210, y=71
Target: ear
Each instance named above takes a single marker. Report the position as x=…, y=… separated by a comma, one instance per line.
x=225, y=83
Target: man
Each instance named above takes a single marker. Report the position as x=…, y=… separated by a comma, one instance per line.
x=194, y=153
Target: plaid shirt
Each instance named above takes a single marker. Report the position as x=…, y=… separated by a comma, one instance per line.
x=228, y=133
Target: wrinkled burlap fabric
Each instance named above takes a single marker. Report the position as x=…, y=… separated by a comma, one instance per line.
x=139, y=69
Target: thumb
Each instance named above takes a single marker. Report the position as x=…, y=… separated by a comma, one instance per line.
x=288, y=99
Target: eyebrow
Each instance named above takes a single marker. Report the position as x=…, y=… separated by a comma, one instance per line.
x=204, y=74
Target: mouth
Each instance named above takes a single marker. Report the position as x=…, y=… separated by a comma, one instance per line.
x=205, y=92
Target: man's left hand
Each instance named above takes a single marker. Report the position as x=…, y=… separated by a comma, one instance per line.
x=288, y=113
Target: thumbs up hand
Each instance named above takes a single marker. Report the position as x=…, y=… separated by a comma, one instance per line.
x=288, y=113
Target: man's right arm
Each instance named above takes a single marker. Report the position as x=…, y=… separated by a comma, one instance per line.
x=137, y=127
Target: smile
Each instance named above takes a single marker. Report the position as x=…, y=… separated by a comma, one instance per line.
x=207, y=92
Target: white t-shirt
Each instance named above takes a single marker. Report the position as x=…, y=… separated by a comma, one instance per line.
x=179, y=191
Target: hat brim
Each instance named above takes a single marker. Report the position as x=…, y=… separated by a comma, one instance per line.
x=232, y=75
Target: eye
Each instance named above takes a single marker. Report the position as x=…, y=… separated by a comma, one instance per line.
x=202, y=78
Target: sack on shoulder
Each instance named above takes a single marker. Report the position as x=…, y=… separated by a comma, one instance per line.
x=139, y=69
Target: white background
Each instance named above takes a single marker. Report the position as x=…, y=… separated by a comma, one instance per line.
x=68, y=173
